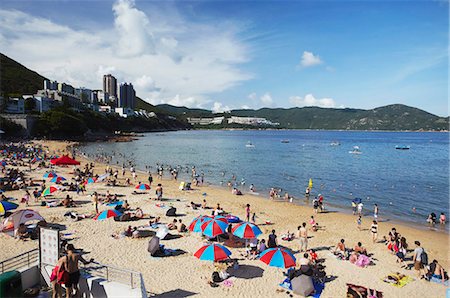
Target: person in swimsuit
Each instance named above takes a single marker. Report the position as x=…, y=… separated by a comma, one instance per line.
x=70, y=264
x=374, y=231
x=437, y=271
x=442, y=219
x=247, y=213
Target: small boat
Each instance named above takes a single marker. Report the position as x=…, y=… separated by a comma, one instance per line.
x=402, y=147
x=355, y=150
x=335, y=143
x=249, y=145
x=285, y=141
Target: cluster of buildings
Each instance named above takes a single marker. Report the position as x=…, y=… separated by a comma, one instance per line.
x=254, y=121
x=113, y=98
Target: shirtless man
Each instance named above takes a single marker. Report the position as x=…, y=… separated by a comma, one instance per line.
x=70, y=264
x=303, y=237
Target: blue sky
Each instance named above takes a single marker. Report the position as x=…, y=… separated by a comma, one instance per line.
x=234, y=54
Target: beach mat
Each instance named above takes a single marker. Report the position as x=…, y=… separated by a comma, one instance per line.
x=397, y=281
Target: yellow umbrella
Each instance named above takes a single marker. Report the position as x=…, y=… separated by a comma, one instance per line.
x=310, y=184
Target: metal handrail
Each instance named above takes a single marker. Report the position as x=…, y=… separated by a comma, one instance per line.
x=110, y=273
x=24, y=259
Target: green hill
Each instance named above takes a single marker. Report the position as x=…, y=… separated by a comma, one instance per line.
x=16, y=79
x=391, y=117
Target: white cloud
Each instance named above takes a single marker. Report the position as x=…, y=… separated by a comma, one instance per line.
x=266, y=100
x=218, y=107
x=309, y=59
x=252, y=96
x=168, y=59
x=245, y=107
x=309, y=100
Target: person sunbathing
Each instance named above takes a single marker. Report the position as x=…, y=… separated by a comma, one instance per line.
x=172, y=225
x=360, y=249
x=182, y=227
x=68, y=202
x=340, y=249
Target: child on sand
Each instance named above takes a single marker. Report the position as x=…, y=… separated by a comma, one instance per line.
x=358, y=222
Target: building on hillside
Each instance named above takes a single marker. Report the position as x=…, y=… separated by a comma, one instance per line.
x=63, y=97
x=50, y=85
x=15, y=105
x=125, y=112
x=85, y=95
x=110, y=85
x=105, y=109
x=66, y=88
x=205, y=121
x=251, y=121
x=102, y=97
x=127, y=96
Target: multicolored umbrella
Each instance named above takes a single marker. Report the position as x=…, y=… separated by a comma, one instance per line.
x=212, y=252
x=35, y=159
x=89, y=181
x=49, y=190
x=246, y=230
x=214, y=227
x=278, y=257
x=58, y=179
x=196, y=224
x=6, y=206
x=50, y=175
x=143, y=186
x=107, y=214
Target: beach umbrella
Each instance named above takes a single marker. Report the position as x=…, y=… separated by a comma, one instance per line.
x=107, y=214
x=310, y=184
x=50, y=175
x=246, y=230
x=6, y=206
x=212, y=252
x=214, y=227
x=35, y=159
x=143, y=186
x=153, y=245
x=196, y=224
x=49, y=190
x=278, y=257
x=89, y=181
x=58, y=179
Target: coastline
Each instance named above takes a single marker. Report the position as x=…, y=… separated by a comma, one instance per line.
x=191, y=274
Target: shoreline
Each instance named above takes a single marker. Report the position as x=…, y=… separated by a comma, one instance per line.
x=300, y=201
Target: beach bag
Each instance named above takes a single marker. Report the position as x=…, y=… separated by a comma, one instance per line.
x=216, y=277
x=171, y=212
x=424, y=257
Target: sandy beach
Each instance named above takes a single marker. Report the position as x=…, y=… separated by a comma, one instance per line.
x=180, y=275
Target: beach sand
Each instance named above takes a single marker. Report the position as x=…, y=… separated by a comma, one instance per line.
x=180, y=275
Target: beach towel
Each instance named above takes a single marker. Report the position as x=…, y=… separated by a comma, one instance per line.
x=439, y=281
x=363, y=261
x=398, y=280
x=115, y=203
x=354, y=291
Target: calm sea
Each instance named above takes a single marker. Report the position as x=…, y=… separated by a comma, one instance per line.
x=397, y=180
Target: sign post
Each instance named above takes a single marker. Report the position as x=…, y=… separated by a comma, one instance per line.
x=49, y=246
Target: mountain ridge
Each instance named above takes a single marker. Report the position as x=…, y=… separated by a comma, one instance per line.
x=16, y=80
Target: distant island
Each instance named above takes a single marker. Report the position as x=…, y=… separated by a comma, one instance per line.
x=88, y=120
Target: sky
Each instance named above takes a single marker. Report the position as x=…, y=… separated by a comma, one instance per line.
x=223, y=55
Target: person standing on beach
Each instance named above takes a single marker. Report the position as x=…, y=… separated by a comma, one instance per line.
x=95, y=201
x=375, y=211
x=418, y=259
x=70, y=264
x=247, y=213
x=150, y=179
x=359, y=222
x=360, y=208
x=374, y=231
x=303, y=237
x=159, y=192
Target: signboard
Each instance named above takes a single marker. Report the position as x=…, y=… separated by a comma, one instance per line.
x=49, y=246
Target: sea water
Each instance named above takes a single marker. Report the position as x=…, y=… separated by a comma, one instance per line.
x=396, y=180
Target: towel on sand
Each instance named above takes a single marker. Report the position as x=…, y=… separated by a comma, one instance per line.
x=398, y=280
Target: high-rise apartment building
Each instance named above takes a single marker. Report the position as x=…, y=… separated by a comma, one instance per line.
x=110, y=85
x=127, y=96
